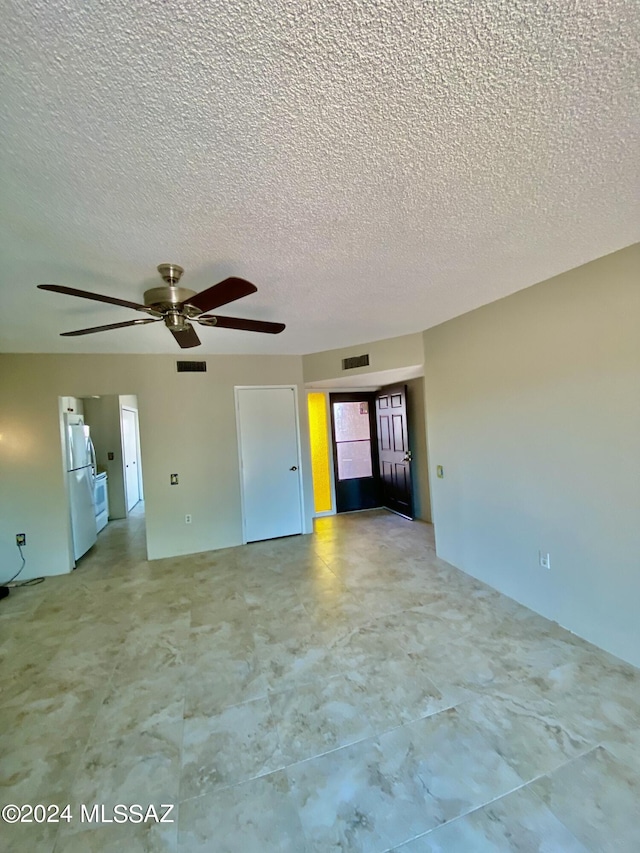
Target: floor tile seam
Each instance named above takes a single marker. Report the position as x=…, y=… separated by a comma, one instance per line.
x=139, y=729
x=120, y=679
x=277, y=730
x=548, y=773
x=593, y=748
x=444, y=689
x=374, y=738
x=349, y=743
x=497, y=693
x=448, y=707
x=322, y=560
x=628, y=763
x=297, y=683
x=224, y=787
x=462, y=815
x=263, y=659
x=107, y=688
x=224, y=708
x=216, y=654
x=486, y=735
x=403, y=723
x=549, y=808
x=573, y=731
x=76, y=774
x=556, y=767
x=478, y=807
x=476, y=730
x=419, y=835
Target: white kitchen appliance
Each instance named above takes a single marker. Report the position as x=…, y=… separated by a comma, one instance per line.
x=81, y=467
x=101, y=500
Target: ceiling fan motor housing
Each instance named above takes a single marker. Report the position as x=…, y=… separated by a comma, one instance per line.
x=165, y=299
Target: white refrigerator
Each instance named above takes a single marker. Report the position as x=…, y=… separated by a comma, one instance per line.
x=80, y=474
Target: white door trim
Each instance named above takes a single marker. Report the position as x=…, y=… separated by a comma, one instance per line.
x=133, y=412
x=293, y=388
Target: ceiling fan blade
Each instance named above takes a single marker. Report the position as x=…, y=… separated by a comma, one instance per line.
x=98, y=297
x=106, y=328
x=242, y=324
x=186, y=337
x=220, y=294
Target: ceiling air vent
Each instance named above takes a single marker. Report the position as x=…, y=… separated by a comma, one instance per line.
x=355, y=361
x=192, y=367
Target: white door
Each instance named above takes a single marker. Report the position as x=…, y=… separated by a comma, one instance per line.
x=130, y=456
x=270, y=462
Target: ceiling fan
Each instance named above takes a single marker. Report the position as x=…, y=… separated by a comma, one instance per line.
x=178, y=307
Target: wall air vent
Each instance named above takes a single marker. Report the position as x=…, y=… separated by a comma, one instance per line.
x=355, y=361
x=192, y=366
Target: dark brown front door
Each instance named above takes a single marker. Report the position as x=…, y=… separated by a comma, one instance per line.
x=393, y=449
x=353, y=427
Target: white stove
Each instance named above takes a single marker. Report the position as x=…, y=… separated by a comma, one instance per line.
x=101, y=500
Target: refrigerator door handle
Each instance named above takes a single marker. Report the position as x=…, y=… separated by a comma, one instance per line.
x=94, y=463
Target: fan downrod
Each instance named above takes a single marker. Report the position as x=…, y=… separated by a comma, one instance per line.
x=171, y=273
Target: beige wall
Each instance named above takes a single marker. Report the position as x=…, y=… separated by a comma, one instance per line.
x=405, y=351
x=534, y=411
x=187, y=425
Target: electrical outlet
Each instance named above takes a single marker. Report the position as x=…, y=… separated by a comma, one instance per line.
x=21, y=538
x=187, y=519
x=174, y=479
x=545, y=560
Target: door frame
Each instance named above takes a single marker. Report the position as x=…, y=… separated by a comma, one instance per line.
x=294, y=388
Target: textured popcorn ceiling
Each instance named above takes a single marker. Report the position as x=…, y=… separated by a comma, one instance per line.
x=375, y=167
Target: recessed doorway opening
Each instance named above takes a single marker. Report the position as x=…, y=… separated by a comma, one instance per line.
x=395, y=446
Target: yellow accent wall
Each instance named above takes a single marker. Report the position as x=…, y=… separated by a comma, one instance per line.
x=319, y=441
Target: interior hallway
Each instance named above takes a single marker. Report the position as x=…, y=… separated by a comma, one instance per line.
x=346, y=691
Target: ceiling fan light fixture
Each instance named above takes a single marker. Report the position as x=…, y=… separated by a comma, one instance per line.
x=176, y=322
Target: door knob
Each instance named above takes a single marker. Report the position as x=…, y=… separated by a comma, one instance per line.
x=407, y=456
x=293, y=468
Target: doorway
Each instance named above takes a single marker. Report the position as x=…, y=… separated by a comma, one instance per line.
x=131, y=456
x=355, y=455
x=394, y=450
x=114, y=493
x=371, y=450
x=114, y=423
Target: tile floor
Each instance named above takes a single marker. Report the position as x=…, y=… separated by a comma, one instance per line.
x=346, y=691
